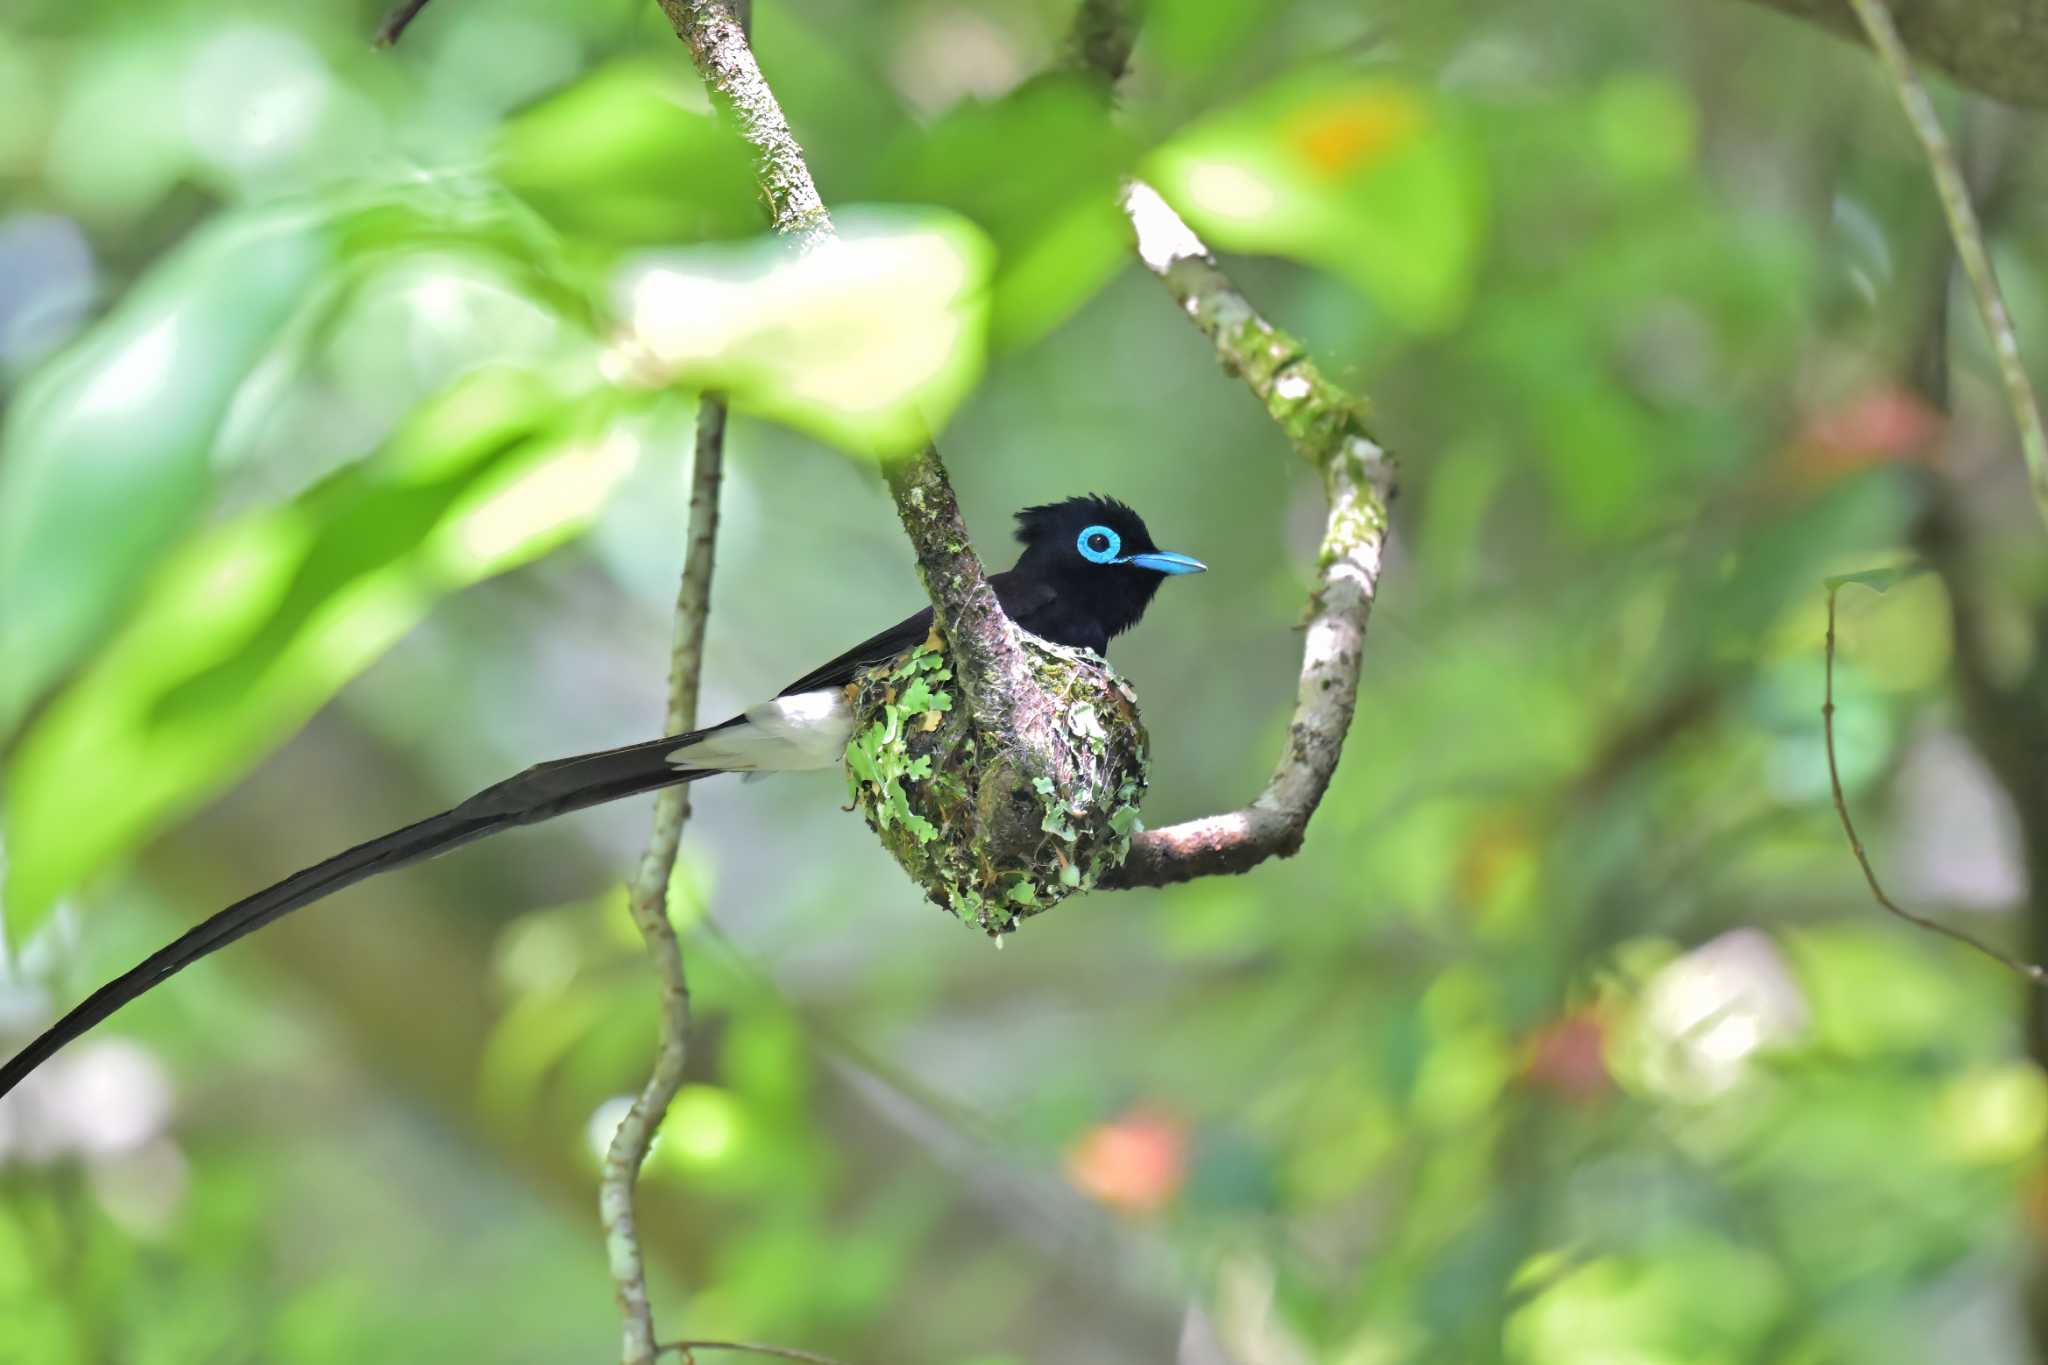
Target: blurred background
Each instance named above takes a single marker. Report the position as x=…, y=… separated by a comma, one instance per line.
x=330, y=492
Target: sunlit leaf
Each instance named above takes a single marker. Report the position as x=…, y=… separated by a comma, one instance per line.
x=105, y=457
x=1368, y=179
x=869, y=342
x=251, y=627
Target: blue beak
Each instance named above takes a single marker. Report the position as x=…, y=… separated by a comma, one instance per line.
x=1166, y=562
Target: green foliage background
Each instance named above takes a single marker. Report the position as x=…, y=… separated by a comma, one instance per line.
x=334, y=485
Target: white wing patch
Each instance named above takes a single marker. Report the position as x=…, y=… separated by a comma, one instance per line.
x=788, y=734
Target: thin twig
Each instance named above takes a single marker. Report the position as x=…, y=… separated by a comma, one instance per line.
x=751, y=1348
x=2028, y=970
x=397, y=22
x=648, y=900
x=1953, y=189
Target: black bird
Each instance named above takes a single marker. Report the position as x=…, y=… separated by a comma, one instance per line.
x=1088, y=572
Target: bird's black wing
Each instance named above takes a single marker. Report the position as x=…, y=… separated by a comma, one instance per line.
x=878, y=648
x=1022, y=599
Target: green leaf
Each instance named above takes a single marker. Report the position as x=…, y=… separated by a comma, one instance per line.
x=633, y=155
x=868, y=342
x=1196, y=36
x=250, y=627
x=1369, y=179
x=104, y=461
x=112, y=450
x=1051, y=212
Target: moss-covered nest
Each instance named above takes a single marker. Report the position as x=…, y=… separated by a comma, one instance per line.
x=993, y=832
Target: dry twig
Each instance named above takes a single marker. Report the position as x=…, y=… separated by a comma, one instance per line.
x=648, y=900
x=2028, y=970
x=688, y=1349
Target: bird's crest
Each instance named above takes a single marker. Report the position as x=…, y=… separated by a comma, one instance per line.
x=1037, y=523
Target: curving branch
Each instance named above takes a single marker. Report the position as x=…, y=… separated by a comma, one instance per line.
x=990, y=663
x=1996, y=47
x=1327, y=426
x=648, y=900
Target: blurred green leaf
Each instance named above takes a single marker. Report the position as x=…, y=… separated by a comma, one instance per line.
x=250, y=628
x=1369, y=179
x=1196, y=35
x=110, y=453
x=105, y=457
x=632, y=155
x=869, y=342
x=1051, y=212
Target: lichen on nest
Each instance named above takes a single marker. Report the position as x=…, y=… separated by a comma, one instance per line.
x=996, y=831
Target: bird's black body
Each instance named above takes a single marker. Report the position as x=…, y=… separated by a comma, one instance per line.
x=1088, y=571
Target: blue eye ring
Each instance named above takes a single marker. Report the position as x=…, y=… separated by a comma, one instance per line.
x=1099, y=545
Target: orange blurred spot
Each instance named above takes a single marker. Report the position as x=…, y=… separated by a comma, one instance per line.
x=2034, y=1202
x=1337, y=136
x=1136, y=1162
x=1568, y=1058
x=1881, y=425
x=1501, y=847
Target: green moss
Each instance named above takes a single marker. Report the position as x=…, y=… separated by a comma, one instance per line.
x=997, y=835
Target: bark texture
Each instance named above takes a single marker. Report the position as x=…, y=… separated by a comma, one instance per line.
x=1995, y=47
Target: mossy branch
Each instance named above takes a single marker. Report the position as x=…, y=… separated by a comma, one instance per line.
x=1327, y=426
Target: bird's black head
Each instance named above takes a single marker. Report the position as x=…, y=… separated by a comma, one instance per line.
x=1101, y=563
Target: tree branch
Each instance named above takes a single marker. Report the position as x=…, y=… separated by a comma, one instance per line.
x=1997, y=47
x=1100, y=42
x=1954, y=191
x=648, y=900
x=397, y=22
x=989, y=662
x=1327, y=426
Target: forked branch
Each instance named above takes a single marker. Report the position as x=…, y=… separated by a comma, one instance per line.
x=990, y=662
